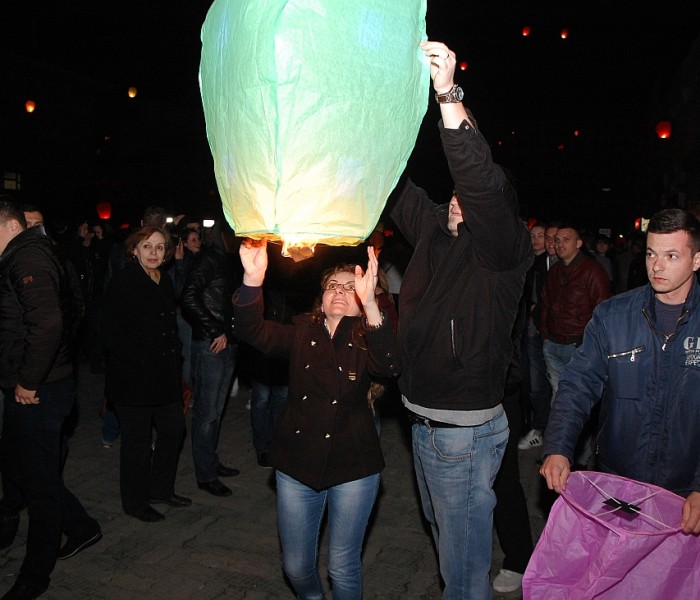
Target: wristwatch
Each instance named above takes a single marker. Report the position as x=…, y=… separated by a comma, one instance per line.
x=454, y=94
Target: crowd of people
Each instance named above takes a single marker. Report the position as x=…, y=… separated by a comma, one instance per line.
x=487, y=338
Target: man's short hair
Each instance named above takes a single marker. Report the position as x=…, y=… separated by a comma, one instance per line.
x=571, y=226
x=154, y=215
x=10, y=209
x=671, y=220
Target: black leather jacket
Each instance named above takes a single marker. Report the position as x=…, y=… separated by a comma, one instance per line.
x=35, y=313
x=206, y=295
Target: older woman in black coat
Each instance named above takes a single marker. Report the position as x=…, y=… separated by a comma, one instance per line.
x=143, y=376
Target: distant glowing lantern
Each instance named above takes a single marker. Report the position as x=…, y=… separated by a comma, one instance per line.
x=663, y=129
x=30, y=106
x=463, y=65
x=132, y=91
x=576, y=133
x=564, y=34
x=309, y=161
x=560, y=147
x=526, y=31
x=104, y=210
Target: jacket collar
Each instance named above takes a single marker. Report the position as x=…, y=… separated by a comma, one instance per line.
x=688, y=306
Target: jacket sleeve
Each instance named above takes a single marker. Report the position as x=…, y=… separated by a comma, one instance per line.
x=411, y=209
x=36, y=285
x=383, y=355
x=269, y=337
x=192, y=299
x=599, y=286
x=488, y=200
x=580, y=389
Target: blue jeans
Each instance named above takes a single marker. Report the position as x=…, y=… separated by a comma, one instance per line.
x=33, y=451
x=556, y=357
x=540, y=390
x=299, y=514
x=212, y=375
x=455, y=468
x=267, y=403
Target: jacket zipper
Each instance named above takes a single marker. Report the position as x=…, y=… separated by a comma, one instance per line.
x=667, y=338
x=631, y=353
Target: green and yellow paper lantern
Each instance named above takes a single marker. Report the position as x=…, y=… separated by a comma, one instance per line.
x=312, y=110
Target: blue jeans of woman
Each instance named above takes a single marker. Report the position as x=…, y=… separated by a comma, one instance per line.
x=299, y=514
x=456, y=468
x=212, y=375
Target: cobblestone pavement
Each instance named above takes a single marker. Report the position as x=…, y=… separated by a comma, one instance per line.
x=228, y=547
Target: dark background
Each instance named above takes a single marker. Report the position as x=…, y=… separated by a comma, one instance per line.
x=88, y=142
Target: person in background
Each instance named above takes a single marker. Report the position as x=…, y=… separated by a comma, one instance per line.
x=143, y=378
x=326, y=448
x=36, y=376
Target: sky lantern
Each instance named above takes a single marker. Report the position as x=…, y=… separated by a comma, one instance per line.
x=526, y=31
x=663, y=129
x=131, y=92
x=463, y=65
x=30, y=106
x=104, y=210
x=564, y=33
x=296, y=110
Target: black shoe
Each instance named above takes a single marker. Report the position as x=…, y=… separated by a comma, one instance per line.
x=23, y=591
x=264, y=461
x=223, y=471
x=147, y=514
x=9, y=524
x=72, y=547
x=215, y=488
x=174, y=500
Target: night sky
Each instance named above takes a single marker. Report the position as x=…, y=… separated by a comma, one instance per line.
x=608, y=80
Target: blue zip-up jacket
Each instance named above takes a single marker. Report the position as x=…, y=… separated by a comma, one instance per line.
x=649, y=383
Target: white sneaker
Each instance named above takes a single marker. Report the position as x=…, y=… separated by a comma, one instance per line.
x=507, y=581
x=532, y=439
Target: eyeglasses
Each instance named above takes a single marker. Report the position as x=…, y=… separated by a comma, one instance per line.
x=332, y=286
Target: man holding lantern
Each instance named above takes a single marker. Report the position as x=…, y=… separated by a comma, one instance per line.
x=459, y=299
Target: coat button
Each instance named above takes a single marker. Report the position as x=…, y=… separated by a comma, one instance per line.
x=304, y=397
x=388, y=354
x=298, y=431
x=349, y=344
x=313, y=342
x=334, y=402
x=306, y=367
x=327, y=435
x=340, y=369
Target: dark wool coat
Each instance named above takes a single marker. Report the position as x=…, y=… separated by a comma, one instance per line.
x=140, y=338
x=327, y=434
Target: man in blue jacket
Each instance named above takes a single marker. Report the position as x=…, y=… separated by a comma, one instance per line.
x=640, y=358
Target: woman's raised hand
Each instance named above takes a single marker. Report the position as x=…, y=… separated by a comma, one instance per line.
x=366, y=282
x=254, y=260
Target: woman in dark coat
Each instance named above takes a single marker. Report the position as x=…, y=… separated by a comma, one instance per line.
x=143, y=376
x=325, y=448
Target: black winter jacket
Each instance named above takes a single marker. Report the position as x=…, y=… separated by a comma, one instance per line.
x=140, y=336
x=460, y=295
x=327, y=435
x=206, y=295
x=35, y=313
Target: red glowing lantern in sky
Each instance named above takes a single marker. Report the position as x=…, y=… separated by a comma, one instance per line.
x=663, y=129
x=104, y=210
x=463, y=65
x=526, y=31
x=30, y=106
x=564, y=33
x=131, y=92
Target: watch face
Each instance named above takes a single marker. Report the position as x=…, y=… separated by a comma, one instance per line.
x=458, y=94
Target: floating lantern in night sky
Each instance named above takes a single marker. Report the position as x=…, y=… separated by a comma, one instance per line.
x=312, y=110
